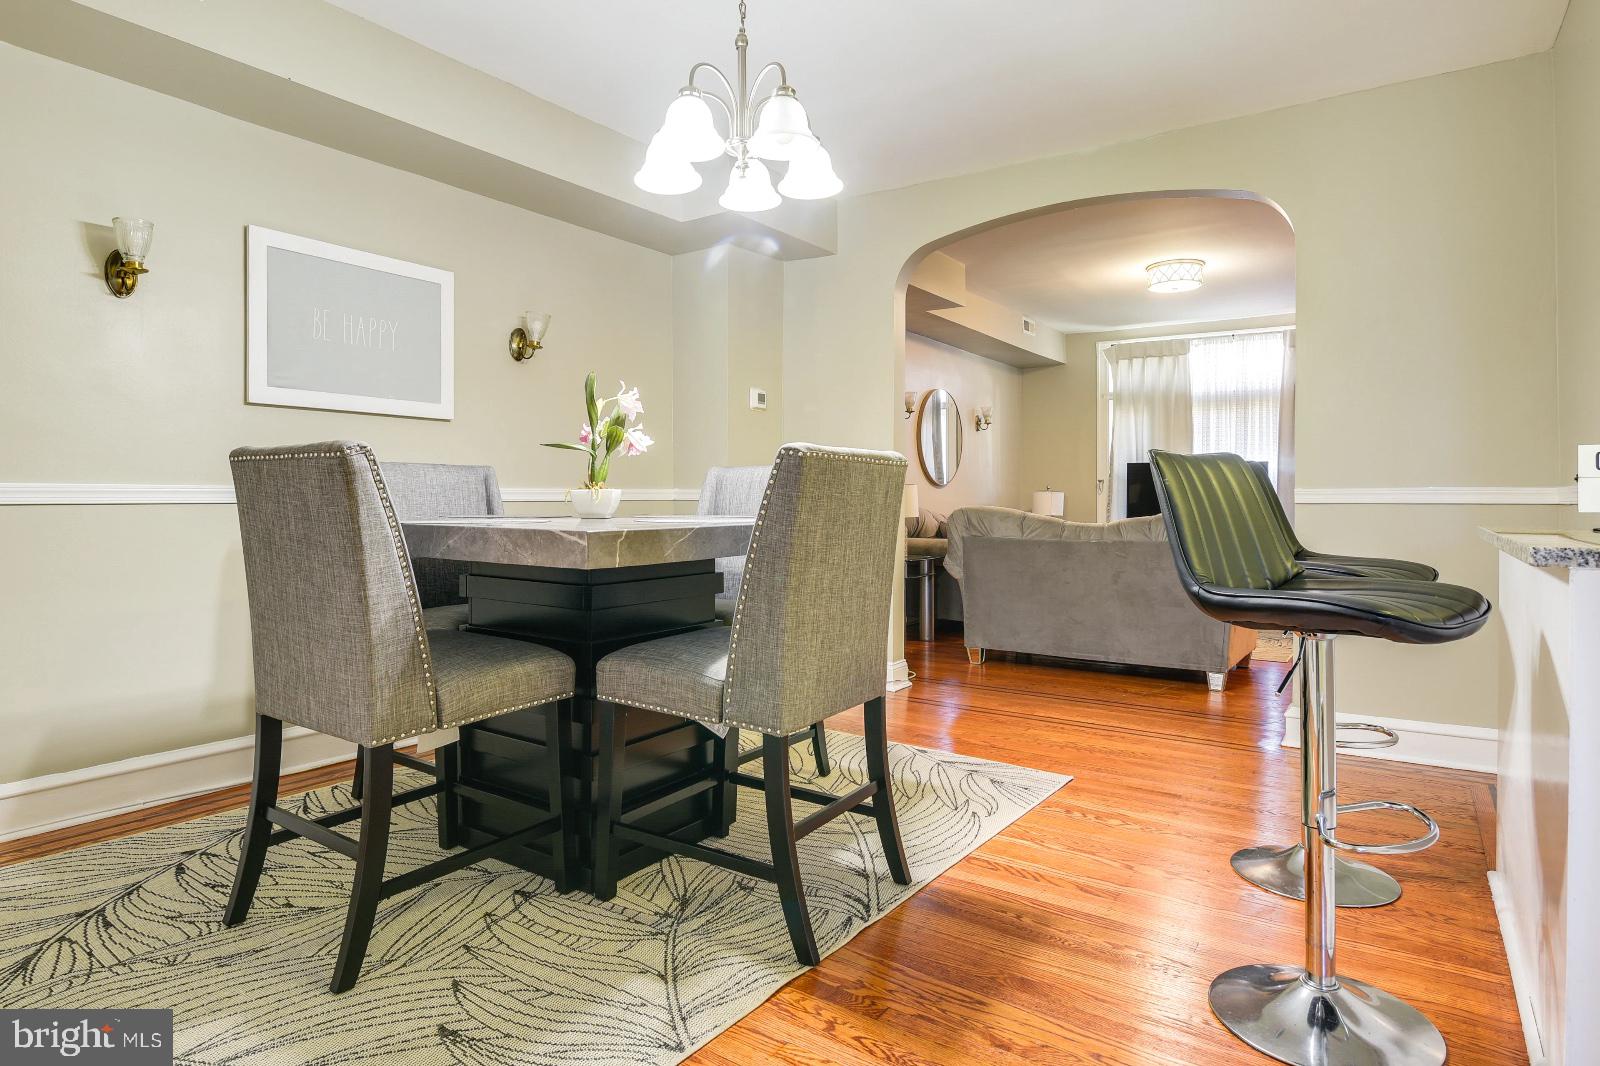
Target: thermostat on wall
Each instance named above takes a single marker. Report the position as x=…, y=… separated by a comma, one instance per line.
x=758, y=399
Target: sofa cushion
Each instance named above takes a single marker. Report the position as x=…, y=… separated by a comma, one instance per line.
x=1011, y=524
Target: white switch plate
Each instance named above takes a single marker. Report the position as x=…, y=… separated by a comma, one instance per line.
x=758, y=399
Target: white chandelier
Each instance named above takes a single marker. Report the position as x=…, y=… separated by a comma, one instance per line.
x=773, y=128
x=1176, y=275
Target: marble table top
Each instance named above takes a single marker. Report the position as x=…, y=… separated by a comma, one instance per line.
x=580, y=544
x=1572, y=548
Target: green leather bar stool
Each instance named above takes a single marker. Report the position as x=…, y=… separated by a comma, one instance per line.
x=1281, y=868
x=1237, y=566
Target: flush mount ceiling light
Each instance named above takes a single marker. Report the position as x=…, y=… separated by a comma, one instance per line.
x=1176, y=275
x=773, y=127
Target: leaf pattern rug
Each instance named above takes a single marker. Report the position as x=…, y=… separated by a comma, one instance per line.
x=488, y=966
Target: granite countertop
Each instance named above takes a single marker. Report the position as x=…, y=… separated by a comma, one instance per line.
x=580, y=544
x=1554, y=548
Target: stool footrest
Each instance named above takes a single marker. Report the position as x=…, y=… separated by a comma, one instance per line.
x=1386, y=738
x=1404, y=847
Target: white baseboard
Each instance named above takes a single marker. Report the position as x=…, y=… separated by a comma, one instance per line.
x=899, y=675
x=56, y=801
x=1459, y=747
x=1524, y=974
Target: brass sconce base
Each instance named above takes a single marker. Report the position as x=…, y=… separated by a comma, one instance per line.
x=122, y=276
x=521, y=347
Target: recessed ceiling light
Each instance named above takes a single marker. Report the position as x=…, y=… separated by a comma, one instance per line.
x=1176, y=275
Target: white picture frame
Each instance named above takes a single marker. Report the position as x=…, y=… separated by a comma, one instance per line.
x=339, y=329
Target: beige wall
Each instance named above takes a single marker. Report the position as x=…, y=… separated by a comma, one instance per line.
x=1577, y=97
x=1424, y=225
x=125, y=629
x=990, y=461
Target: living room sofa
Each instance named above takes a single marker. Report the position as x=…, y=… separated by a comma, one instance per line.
x=1083, y=591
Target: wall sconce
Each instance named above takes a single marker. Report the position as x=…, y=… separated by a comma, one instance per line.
x=983, y=418
x=529, y=337
x=126, y=261
x=911, y=404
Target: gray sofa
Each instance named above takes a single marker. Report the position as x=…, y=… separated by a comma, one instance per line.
x=1096, y=593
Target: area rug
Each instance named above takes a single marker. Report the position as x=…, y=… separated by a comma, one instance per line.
x=486, y=967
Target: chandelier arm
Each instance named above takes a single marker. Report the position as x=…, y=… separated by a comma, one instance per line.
x=734, y=111
x=783, y=76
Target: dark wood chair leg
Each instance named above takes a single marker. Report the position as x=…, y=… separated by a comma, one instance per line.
x=877, y=745
x=257, y=830
x=557, y=739
x=819, y=748
x=448, y=760
x=725, y=801
x=371, y=853
x=608, y=799
x=358, y=780
x=785, y=857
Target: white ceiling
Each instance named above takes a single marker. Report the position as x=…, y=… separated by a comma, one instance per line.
x=1081, y=270
x=904, y=91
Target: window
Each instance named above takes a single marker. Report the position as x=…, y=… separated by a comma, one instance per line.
x=1236, y=388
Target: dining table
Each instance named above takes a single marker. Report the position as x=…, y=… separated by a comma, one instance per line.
x=585, y=587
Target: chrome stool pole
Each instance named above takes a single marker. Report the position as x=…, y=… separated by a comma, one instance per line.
x=1282, y=870
x=1311, y=1016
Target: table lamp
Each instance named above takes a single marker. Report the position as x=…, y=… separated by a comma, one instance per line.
x=1049, y=502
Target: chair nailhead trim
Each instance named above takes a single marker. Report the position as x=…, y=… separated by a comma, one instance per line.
x=663, y=710
x=479, y=718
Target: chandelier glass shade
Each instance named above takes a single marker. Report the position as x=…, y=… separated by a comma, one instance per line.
x=772, y=126
x=1176, y=275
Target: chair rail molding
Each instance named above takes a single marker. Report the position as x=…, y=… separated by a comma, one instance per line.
x=1460, y=494
x=45, y=493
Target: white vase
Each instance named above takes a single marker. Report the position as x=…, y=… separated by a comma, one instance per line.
x=594, y=503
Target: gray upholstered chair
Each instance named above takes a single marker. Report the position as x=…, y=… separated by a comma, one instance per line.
x=809, y=639
x=737, y=490
x=442, y=490
x=340, y=647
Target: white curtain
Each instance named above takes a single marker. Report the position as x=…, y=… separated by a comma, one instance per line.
x=1237, y=384
x=1151, y=408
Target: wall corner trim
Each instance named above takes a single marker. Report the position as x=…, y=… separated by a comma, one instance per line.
x=1429, y=494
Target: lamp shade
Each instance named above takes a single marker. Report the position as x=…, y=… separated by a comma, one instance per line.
x=1050, y=503
x=908, y=502
x=1176, y=275
x=133, y=237
x=750, y=188
x=689, y=132
x=665, y=172
x=536, y=323
x=811, y=177
x=783, y=132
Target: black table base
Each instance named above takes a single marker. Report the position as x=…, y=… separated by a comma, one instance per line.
x=588, y=614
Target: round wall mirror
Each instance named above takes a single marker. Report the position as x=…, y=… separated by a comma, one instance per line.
x=939, y=436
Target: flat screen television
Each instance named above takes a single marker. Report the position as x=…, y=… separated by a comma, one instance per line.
x=1142, y=489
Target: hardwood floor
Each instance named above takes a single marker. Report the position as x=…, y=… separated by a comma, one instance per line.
x=1089, y=931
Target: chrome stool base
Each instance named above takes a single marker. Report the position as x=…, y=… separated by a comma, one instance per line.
x=1283, y=871
x=1277, y=1011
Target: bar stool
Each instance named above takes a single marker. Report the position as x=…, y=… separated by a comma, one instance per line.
x=807, y=642
x=340, y=646
x=1281, y=869
x=1236, y=566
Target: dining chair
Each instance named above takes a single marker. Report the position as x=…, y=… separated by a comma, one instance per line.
x=737, y=491
x=340, y=647
x=808, y=640
x=1236, y=566
x=442, y=490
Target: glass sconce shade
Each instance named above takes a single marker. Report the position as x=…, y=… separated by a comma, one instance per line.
x=689, y=133
x=665, y=172
x=1175, y=275
x=750, y=188
x=536, y=323
x=783, y=132
x=811, y=177
x=133, y=237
